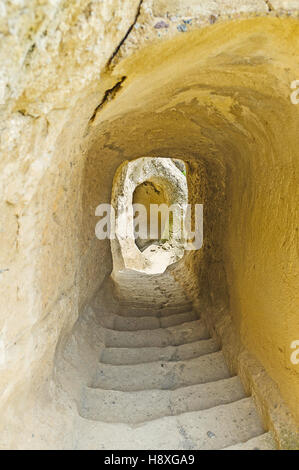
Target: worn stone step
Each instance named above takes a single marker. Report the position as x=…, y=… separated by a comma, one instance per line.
x=263, y=442
x=215, y=428
x=120, y=323
x=127, y=356
x=162, y=375
x=137, y=407
x=172, y=336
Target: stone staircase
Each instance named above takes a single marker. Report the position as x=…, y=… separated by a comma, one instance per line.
x=162, y=383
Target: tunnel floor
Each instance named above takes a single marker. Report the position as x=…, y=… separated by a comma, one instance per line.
x=161, y=381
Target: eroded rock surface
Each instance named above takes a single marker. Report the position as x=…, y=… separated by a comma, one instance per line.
x=85, y=86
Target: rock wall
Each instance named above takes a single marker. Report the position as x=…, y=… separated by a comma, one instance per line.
x=125, y=253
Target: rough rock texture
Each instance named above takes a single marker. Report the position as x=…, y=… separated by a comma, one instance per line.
x=49, y=263
x=204, y=8
x=215, y=92
x=130, y=175
x=157, y=381
x=286, y=5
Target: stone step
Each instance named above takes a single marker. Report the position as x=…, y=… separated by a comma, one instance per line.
x=172, y=336
x=212, y=429
x=137, y=407
x=127, y=356
x=120, y=323
x=148, y=310
x=162, y=375
x=263, y=442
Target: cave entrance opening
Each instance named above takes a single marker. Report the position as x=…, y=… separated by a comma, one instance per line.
x=149, y=197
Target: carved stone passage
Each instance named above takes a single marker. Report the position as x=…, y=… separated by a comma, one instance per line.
x=166, y=178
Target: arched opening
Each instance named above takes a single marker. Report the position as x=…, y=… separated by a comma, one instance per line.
x=149, y=198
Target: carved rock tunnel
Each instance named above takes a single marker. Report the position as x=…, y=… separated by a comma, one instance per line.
x=220, y=102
